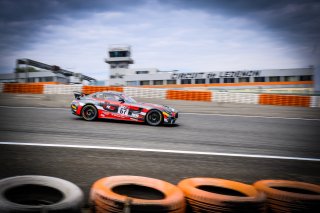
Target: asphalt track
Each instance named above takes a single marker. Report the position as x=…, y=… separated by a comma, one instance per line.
x=53, y=142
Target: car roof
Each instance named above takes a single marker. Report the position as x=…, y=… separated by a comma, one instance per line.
x=113, y=92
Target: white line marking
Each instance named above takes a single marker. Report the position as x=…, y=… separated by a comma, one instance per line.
x=250, y=116
x=181, y=113
x=161, y=151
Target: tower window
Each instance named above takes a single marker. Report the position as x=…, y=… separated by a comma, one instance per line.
x=115, y=54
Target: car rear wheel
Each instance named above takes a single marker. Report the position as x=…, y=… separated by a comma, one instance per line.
x=154, y=118
x=89, y=113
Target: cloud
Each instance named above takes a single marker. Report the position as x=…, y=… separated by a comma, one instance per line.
x=186, y=35
x=292, y=20
x=21, y=20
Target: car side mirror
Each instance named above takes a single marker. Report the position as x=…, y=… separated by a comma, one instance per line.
x=121, y=100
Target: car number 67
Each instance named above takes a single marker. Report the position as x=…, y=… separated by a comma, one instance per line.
x=123, y=110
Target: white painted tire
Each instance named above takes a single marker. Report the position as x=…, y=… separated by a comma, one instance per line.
x=33, y=193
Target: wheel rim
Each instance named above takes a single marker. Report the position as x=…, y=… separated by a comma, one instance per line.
x=89, y=113
x=154, y=118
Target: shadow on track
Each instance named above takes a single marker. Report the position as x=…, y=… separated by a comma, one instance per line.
x=126, y=122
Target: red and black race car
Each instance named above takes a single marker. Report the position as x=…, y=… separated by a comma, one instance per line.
x=116, y=105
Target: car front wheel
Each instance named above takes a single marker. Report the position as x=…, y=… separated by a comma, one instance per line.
x=154, y=118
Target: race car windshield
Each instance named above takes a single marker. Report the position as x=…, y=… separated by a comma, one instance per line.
x=128, y=99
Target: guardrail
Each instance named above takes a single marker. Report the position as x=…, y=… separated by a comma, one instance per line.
x=169, y=93
x=145, y=92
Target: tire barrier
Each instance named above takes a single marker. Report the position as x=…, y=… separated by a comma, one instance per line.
x=23, y=88
x=135, y=194
x=145, y=92
x=93, y=89
x=284, y=100
x=33, y=193
x=166, y=93
x=189, y=95
x=315, y=101
x=218, y=195
x=130, y=194
x=61, y=89
x=290, y=196
x=230, y=97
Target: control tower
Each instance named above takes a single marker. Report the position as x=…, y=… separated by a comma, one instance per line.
x=119, y=60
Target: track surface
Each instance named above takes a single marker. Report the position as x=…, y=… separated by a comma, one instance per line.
x=295, y=138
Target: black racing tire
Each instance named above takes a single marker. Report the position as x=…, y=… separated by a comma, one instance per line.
x=89, y=112
x=32, y=193
x=154, y=117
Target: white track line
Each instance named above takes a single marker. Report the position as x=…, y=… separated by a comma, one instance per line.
x=182, y=113
x=251, y=116
x=161, y=151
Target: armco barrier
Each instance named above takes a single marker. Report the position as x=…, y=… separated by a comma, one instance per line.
x=315, y=101
x=284, y=100
x=229, y=97
x=145, y=92
x=23, y=88
x=189, y=95
x=165, y=93
x=92, y=89
x=61, y=89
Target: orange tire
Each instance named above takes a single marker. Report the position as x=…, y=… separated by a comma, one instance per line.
x=290, y=196
x=104, y=196
x=218, y=195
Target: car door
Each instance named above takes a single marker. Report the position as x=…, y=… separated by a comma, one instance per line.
x=115, y=107
x=123, y=109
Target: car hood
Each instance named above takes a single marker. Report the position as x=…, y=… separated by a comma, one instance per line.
x=155, y=106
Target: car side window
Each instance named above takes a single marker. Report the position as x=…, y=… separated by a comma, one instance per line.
x=98, y=95
x=111, y=97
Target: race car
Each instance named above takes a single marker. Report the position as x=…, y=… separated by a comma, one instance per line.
x=116, y=105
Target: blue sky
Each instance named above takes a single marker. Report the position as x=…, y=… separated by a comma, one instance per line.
x=189, y=35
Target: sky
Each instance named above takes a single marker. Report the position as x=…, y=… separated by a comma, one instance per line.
x=184, y=35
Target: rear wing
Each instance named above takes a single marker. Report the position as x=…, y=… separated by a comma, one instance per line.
x=78, y=95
